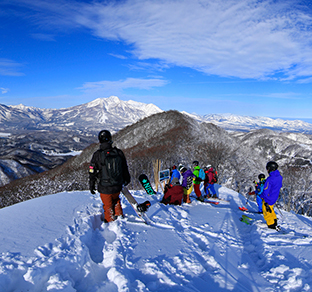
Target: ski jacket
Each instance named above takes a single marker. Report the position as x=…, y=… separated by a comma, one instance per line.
x=259, y=187
x=95, y=170
x=197, y=180
x=185, y=175
x=173, y=195
x=175, y=173
x=210, y=177
x=272, y=187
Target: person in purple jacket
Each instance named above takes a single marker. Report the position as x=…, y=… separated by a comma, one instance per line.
x=187, y=183
x=270, y=194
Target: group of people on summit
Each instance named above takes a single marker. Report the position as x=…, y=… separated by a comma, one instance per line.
x=109, y=171
x=183, y=181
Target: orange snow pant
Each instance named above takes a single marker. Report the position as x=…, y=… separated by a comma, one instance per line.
x=269, y=217
x=112, y=206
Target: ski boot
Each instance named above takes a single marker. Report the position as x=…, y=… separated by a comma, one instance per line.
x=143, y=207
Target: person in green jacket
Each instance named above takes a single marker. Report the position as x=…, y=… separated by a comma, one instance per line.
x=197, y=179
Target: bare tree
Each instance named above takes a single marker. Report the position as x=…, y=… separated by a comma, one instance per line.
x=296, y=194
x=213, y=153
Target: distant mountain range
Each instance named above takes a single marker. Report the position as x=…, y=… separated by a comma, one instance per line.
x=33, y=140
x=114, y=114
x=247, y=123
x=172, y=138
x=110, y=113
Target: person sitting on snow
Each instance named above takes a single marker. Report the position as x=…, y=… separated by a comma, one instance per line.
x=173, y=193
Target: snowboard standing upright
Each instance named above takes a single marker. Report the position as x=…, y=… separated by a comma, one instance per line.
x=146, y=184
x=137, y=206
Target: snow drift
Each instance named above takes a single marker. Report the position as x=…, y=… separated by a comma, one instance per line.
x=59, y=243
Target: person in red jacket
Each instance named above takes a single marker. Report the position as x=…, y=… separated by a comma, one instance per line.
x=173, y=193
x=209, y=181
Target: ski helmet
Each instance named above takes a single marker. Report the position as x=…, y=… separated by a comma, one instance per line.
x=271, y=166
x=261, y=176
x=105, y=136
x=180, y=167
x=208, y=166
x=195, y=163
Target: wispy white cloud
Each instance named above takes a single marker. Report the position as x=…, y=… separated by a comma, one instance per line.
x=10, y=68
x=118, y=56
x=245, y=39
x=4, y=90
x=115, y=87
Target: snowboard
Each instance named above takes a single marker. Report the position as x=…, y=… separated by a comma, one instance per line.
x=219, y=199
x=136, y=206
x=206, y=201
x=211, y=202
x=146, y=184
x=246, y=219
x=249, y=211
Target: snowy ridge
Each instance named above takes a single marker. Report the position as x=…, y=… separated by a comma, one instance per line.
x=110, y=112
x=66, y=247
x=248, y=123
x=116, y=114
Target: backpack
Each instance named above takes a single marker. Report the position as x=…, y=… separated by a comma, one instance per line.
x=189, y=182
x=201, y=174
x=214, y=176
x=112, y=170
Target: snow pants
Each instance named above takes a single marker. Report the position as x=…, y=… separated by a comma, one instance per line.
x=269, y=217
x=112, y=206
x=186, y=194
x=197, y=190
x=259, y=202
x=210, y=188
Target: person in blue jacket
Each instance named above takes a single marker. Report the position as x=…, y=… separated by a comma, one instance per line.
x=270, y=194
x=174, y=173
x=258, y=191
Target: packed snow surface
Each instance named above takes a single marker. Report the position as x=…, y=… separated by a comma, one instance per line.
x=59, y=243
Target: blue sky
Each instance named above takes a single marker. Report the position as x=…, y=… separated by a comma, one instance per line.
x=243, y=57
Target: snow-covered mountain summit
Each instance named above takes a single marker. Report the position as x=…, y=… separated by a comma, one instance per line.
x=111, y=112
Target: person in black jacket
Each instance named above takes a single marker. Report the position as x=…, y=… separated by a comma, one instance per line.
x=109, y=171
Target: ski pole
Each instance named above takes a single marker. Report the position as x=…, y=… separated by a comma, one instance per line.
x=279, y=210
x=248, y=196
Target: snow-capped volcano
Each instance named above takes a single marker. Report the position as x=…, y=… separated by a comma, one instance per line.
x=111, y=113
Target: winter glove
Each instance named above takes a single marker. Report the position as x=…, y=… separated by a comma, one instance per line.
x=92, y=187
x=267, y=207
x=251, y=193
